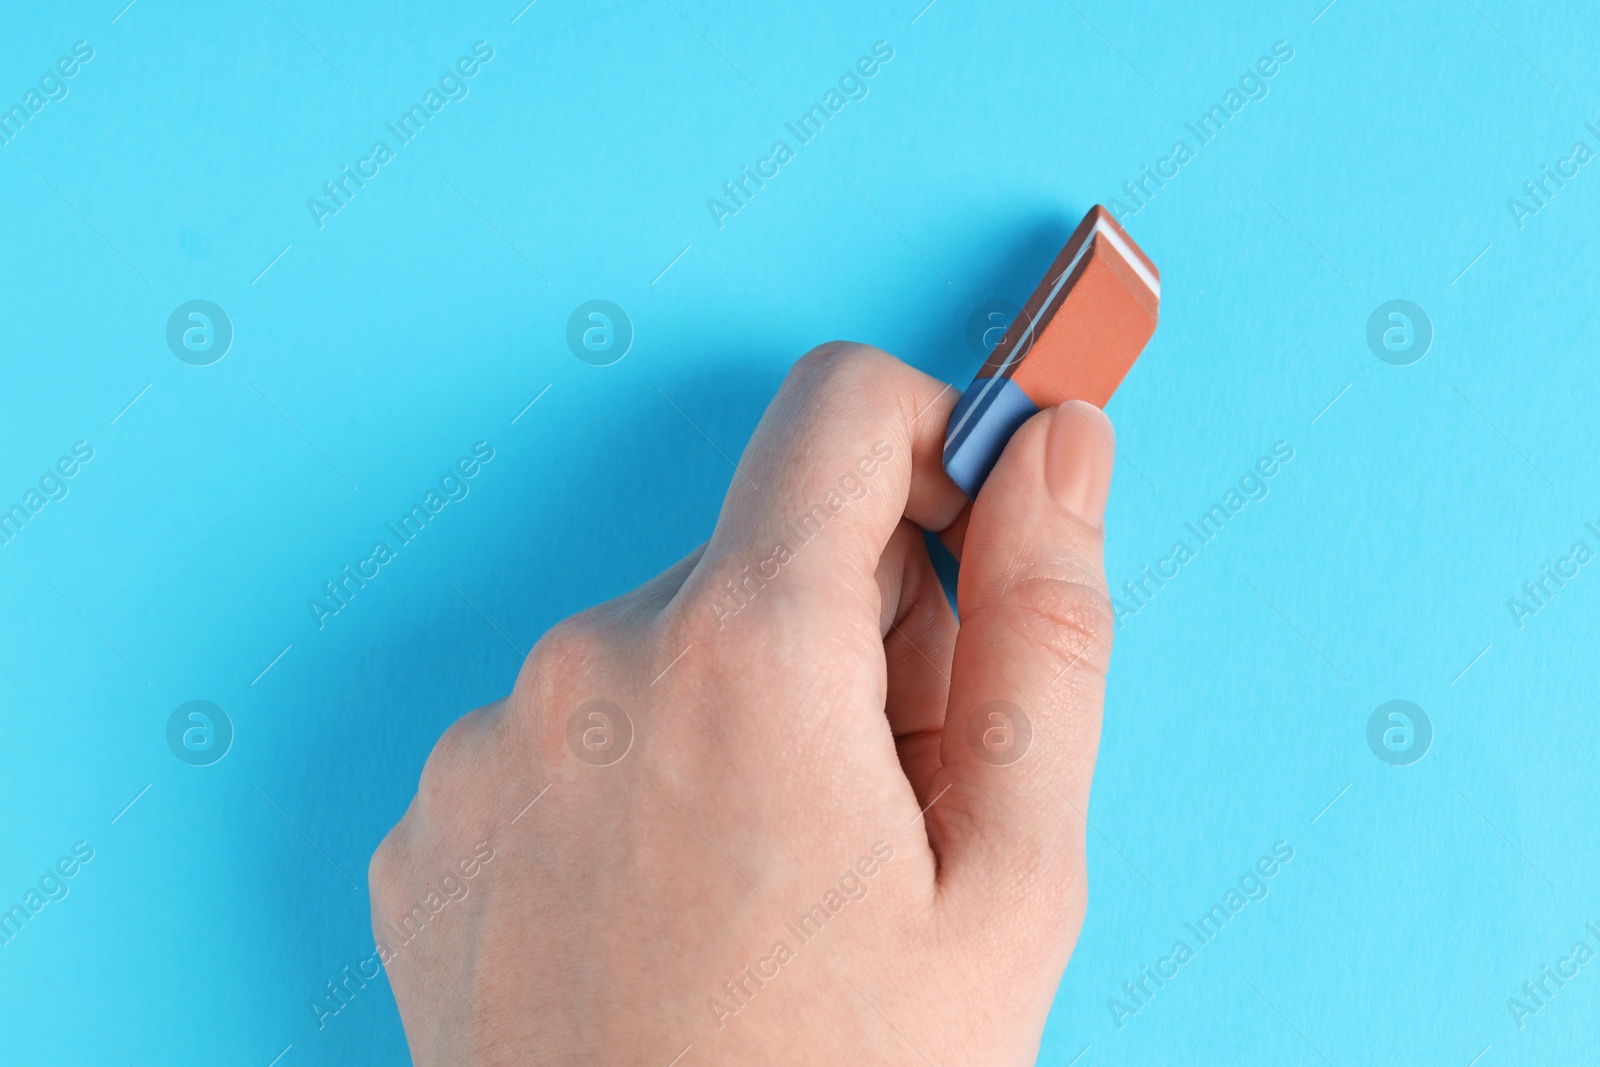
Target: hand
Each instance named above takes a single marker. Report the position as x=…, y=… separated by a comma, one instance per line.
x=773, y=806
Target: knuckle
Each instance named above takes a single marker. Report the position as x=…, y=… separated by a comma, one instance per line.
x=571, y=663
x=856, y=387
x=383, y=875
x=568, y=652
x=1068, y=617
x=838, y=364
x=438, y=784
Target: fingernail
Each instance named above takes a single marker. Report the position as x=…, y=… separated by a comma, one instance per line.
x=1078, y=458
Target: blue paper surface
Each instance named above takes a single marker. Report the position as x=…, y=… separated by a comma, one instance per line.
x=353, y=345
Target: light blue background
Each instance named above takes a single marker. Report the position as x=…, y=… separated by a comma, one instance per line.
x=414, y=324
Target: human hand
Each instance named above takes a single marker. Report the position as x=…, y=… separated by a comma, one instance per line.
x=774, y=806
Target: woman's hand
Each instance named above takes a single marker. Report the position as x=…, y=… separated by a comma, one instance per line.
x=774, y=806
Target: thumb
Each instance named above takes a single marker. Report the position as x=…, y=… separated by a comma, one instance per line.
x=1028, y=679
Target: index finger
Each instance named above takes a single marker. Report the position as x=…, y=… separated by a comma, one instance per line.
x=852, y=443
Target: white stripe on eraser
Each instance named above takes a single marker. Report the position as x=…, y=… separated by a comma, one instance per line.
x=1120, y=243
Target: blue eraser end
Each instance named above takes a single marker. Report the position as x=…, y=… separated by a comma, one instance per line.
x=988, y=413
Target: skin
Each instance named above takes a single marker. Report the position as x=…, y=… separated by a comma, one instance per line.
x=779, y=752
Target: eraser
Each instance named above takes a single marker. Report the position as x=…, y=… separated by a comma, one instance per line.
x=1075, y=339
